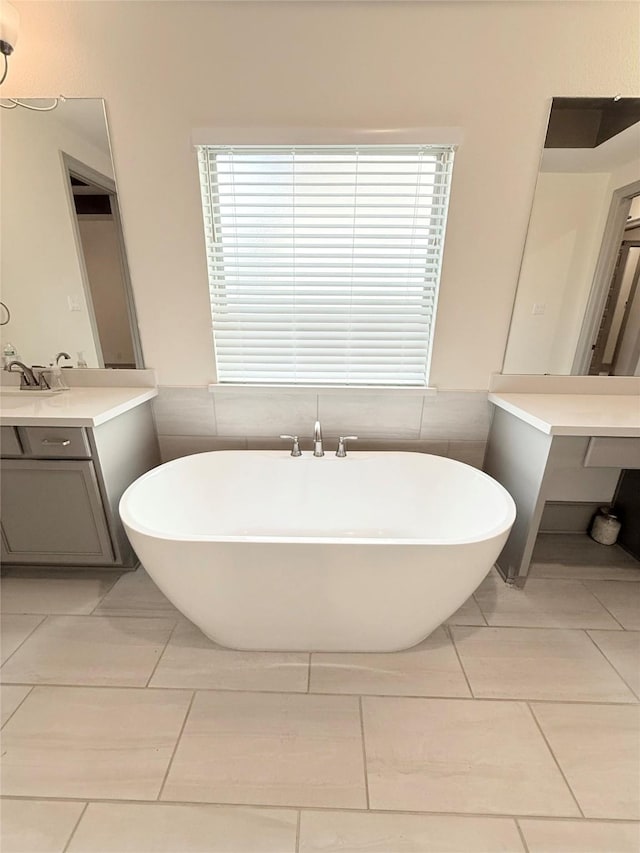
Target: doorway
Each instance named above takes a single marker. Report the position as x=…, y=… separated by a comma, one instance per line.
x=609, y=342
x=619, y=329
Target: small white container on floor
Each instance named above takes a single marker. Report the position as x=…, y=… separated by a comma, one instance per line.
x=605, y=527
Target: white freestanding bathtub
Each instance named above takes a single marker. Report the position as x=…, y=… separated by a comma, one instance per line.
x=367, y=553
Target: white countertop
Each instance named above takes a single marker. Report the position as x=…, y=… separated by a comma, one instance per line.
x=575, y=414
x=86, y=407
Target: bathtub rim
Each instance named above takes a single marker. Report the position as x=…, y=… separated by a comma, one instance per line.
x=497, y=530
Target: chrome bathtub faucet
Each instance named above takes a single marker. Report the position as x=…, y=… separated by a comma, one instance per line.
x=317, y=440
x=342, y=447
x=295, y=450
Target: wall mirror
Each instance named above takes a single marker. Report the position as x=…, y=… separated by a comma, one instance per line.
x=65, y=278
x=577, y=306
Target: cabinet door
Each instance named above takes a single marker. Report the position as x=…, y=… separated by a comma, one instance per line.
x=9, y=441
x=52, y=513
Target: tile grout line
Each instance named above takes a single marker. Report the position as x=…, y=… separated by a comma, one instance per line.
x=321, y=809
x=161, y=655
x=421, y=421
x=77, y=824
x=110, y=613
x=309, y=674
x=619, y=633
x=449, y=632
x=521, y=834
x=161, y=614
x=613, y=666
x=298, y=831
x=437, y=697
x=473, y=595
x=604, y=607
x=214, y=412
x=554, y=576
x=28, y=693
x=31, y=632
x=118, y=613
x=553, y=627
x=553, y=755
x=175, y=747
x=364, y=753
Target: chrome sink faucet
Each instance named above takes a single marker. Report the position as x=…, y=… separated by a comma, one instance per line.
x=317, y=440
x=28, y=381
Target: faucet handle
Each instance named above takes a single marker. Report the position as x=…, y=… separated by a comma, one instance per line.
x=295, y=450
x=44, y=379
x=342, y=450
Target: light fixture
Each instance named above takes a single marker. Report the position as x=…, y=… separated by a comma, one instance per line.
x=9, y=21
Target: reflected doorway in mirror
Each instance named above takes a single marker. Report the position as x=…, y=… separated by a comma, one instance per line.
x=100, y=244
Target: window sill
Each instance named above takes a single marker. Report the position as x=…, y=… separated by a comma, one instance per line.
x=347, y=390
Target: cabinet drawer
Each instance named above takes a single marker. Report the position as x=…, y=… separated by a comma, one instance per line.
x=55, y=442
x=9, y=442
x=605, y=452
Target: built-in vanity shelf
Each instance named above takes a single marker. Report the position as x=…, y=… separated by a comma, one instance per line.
x=66, y=460
x=605, y=452
x=563, y=449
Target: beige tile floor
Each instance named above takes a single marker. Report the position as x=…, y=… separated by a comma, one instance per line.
x=516, y=727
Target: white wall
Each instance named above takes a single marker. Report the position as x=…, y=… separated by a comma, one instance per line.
x=167, y=67
x=39, y=265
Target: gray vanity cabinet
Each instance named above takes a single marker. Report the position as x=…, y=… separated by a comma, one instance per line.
x=61, y=486
x=53, y=512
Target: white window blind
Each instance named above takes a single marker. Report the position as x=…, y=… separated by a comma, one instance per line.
x=324, y=262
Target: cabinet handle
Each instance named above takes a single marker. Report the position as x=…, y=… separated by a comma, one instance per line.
x=56, y=442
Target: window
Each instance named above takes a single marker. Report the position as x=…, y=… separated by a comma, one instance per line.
x=324, y=262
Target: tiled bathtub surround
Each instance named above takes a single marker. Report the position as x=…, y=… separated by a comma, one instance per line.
x=185, y=411
x=125, y=730
x=447, y=423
